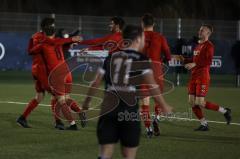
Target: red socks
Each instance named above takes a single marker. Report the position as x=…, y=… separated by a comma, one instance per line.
x=212, y=106
x=53, y=106
x=157, y=109
x=70, y=102
x=146, y=115
x=197, y=111
x=31, y=105
x=56, y=112
x=73, y=105
x=65, y=111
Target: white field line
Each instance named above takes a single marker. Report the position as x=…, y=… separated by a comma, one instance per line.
x=184, y=119
x=22, y=103
x=190, y=119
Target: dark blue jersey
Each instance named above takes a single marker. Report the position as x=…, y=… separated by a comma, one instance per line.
x=124, y=69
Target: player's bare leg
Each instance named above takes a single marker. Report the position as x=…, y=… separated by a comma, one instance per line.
x=106, y=151
x=22, y=120
x=145, y=114
x=215, y=107
x=129, y=152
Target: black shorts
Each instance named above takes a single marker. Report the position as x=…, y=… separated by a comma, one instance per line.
x=121, y=124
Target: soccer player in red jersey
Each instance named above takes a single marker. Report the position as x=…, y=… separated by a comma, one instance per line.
x=110, y=42
x=40, y=77
x=40, y=74
x=200, y=78
x=52, y=50
x=155, y=46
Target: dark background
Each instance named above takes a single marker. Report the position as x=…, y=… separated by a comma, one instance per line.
x=192, y=9
x=16, y=29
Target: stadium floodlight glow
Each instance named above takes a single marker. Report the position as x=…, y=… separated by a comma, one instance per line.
x=2, y=52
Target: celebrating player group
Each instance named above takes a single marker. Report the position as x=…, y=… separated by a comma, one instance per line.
x=133, y=72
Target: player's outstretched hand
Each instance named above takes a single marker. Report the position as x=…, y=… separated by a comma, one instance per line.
x=189, y=66
x=181, y=58
x=77, y=38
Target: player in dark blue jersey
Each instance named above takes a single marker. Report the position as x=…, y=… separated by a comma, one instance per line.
x=124, y=72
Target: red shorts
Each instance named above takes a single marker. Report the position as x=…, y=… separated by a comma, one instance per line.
x=60, y=87
x=198, y=88
x=68, y=84
x=158, y=77
x=38, y=86
x=41, y=80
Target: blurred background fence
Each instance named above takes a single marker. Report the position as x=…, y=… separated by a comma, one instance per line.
x=171, y=28
x=17, y=28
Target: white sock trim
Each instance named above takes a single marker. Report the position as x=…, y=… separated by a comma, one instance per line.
x=73, y=122
x=222, y=110
x=203, y=122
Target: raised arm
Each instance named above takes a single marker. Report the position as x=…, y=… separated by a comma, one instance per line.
x=96, y=41
x=35, y=49
x=63, y=41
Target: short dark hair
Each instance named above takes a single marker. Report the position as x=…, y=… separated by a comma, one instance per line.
x=48, y=27
x=210, y=27
x=148, y=20
x=132, y=32
x=118, y=21
x=46, y=22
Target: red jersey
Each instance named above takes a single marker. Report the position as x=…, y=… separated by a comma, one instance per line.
x=37, y=59
x=203, y=54
x=52, y=55
x=101, y=43
x=155, y=45
x=53, y=51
